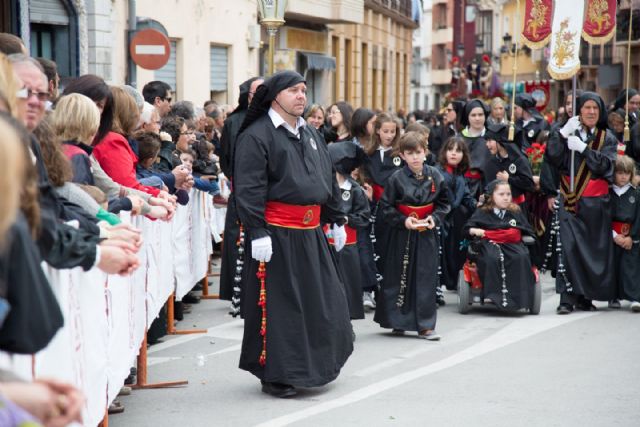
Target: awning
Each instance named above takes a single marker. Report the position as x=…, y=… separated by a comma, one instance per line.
x=314, y=61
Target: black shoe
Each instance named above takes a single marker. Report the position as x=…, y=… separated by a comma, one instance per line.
x=564, y=308
x=191, y=298
x=278, y=390
x=586, y=305
x=440, y=300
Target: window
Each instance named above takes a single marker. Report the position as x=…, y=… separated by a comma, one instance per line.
x=168, y=73
x=484, y=32
x=54, y=34
x=607, y=53
x=595, y=54
x=415, y=67
x=219, y=66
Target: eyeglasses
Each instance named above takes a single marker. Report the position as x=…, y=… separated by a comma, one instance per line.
x=187, y=133
x=448, y=110
x=167, y=98
x=26, y=93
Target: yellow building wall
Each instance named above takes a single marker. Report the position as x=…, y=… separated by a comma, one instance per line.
x=526, y=66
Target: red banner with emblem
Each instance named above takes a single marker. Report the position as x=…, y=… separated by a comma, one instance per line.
x=599, y=21
x=538, y=16
x=540, y=91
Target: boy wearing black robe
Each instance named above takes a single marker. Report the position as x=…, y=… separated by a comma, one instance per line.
x=585, y=269
x=297, y=331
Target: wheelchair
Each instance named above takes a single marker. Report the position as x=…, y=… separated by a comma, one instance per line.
x=470, y=289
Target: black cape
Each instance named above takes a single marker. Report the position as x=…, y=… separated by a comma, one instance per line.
x=308, y=328
x=419, y=311
x=479, y=154
x=520, y=279
x=626, y=208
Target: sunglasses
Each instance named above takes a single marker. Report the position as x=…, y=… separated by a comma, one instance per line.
x=26, y=93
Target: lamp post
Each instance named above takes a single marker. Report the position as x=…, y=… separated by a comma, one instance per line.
x=272, y=18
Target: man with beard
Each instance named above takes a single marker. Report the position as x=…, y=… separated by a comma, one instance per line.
x=297, y=331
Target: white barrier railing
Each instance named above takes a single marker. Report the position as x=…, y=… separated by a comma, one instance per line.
x=106, y=316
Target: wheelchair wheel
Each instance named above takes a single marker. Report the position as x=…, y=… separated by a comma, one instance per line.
x=537, y=298
x=464, y=298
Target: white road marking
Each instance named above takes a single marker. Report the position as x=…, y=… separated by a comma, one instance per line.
x=517, y=330
x=230, y=330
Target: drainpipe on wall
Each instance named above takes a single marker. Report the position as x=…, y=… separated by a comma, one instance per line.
x=131, y=66
x=25, y=28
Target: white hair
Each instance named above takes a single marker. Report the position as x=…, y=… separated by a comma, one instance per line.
x=147, y=113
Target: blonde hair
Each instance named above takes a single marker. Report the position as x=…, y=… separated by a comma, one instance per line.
x=625, y=164
x=125, y=112
x=76, y=118
x=12, y=172
x=9, y=85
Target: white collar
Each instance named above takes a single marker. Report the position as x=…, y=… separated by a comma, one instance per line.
x=383, y=148
x=497, y=211
x=585, y=134
x=278, y=121
x=346, y=185
x=621, y=190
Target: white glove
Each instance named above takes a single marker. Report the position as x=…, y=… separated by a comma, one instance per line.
x=575, y=143
x=261, y=249
x=572, y=125
x=339, y=237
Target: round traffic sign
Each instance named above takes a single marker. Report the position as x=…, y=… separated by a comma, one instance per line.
x=150, y=49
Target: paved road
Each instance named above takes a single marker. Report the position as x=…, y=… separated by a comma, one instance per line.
x=489, y=370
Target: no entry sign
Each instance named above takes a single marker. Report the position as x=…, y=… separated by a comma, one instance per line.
x=150, y=49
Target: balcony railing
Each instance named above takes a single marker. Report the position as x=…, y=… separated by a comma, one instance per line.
x=401, y=10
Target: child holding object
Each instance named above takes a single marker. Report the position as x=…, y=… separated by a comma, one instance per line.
x=414, y=202
x=503, y=260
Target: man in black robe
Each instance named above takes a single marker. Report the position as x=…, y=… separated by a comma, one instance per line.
x=585, y=269
x=300, y=334
x=230, y=270
x=529, y=122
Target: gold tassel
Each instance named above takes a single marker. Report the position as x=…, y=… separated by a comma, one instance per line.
x=626, y=137
x=512, y=132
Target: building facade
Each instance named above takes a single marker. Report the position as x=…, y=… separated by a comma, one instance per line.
x=422, y=93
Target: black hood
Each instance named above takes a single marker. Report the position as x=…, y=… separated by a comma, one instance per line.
x=464, y=120
x=346, y=156
x=592, y=96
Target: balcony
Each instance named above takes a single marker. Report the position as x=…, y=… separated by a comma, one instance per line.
x=442, y=36
x=398, y=10
x=441, y=77
x=326, y=11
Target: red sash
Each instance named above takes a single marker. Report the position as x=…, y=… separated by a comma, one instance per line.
x=622, y=228
x=418, y=212
x=519, y=199
x=352, y=237
x=292, y=216
x=377, y=191
x=596, y=188
x=473, y=174
x=504, y=235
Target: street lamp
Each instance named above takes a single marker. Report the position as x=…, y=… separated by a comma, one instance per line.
x=272, y=18
x=479, y=48
x=461, y=51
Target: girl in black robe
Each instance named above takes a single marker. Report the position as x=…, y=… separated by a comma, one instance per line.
x=473, y=118
x=285, y=184
x=625, y=215
x=413, y=204
x=585, y=269
x=382, y=161
x=503, y=260
x=346, y=156
x=453, y=162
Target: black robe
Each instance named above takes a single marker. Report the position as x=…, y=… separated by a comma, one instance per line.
x=355, y=204
x=419, y=311
x=378, y=172
x=518, y=168
x=462, y=206
x=587, y=247
x=520, y=280
x=308, y=336
x=231, y=221
x=526, y=135
x=479, y=155
x=626, y=208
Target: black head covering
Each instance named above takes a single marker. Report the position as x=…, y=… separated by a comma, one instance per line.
x=346, y=156
x=621, y=100
x=499, y=132
x=243, y=98
x=458, y=107
x=602, y=116
x=526, y=102
x=464, y=120
x=267, y=92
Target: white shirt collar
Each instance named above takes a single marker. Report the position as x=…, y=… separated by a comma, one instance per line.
x=382, y=149
x=584, y=135
x=278, y=121
x=621, y=190
x=346, y=185
x=497, y=212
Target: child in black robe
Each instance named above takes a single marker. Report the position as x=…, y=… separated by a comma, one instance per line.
x=453, y=163
x=414, y=203
x=346, y=156
x=382, y=161
x=625, y=215
x=503, y=260
x=474, y=119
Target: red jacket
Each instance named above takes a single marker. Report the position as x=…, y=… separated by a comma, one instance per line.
x=119, y=162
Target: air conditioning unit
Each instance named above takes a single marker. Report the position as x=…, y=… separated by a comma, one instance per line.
x=253, y=36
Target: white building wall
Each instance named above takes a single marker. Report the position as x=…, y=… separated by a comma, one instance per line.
x=424, y=91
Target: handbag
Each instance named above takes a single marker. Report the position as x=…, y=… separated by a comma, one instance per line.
x=34, y=316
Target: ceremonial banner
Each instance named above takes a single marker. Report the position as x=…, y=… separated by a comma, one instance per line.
x=538, y=15
x=599, y=21
x=540, y=91
x=564, y=61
